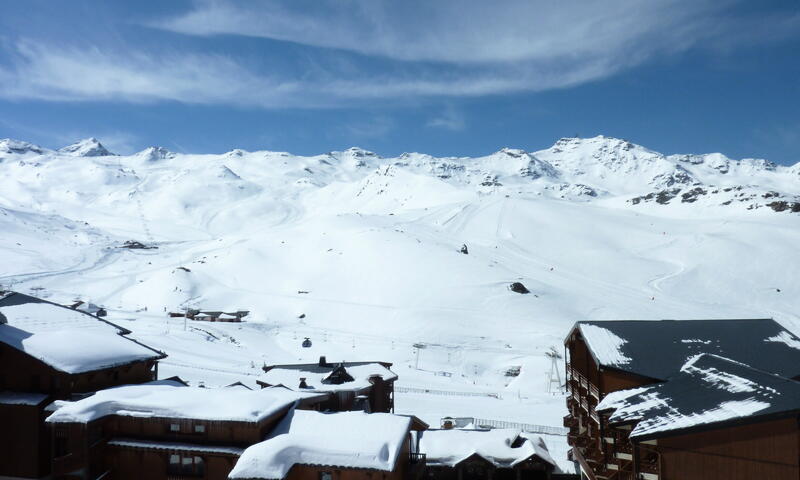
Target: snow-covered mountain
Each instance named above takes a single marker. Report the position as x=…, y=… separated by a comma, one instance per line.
x=361, y=253
x=89, y=147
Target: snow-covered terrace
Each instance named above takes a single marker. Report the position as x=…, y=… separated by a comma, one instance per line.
x=68, y=340
x=176, y=401
x=707, y=390
x=289, y=376
x=503, y=448
x=344, y=440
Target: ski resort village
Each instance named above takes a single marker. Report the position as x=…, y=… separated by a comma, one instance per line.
x=594, y=310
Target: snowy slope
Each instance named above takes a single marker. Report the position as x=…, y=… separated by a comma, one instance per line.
x=366, y=250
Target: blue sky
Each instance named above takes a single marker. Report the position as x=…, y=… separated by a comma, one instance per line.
x=445, y=77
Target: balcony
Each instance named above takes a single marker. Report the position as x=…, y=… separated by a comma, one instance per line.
x=67, y=463
x=570, y=421
x=415, y=458
x=417, y=463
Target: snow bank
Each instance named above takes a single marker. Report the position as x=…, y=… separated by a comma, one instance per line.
x=450, y=447
x=172, y=446
x=290, y=377
x=68, y=340
x=708, y=389
x=786, y=338
x=173, y=401
x=344, y=440
x=605, y=345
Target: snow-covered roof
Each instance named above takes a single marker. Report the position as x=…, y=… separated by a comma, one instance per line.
x=315, y=375
x=707, y=390
x=173, y=400
x=500, y=447
x=657, y=349
x=173, y=446
x=68, y=340
x=21, y=398
x=344, y=439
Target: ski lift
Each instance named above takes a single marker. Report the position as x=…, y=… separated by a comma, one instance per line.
x=307, y=343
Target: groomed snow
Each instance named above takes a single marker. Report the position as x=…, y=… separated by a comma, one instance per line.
x=604, y=344
x=173, y=401
x=376, y=249
x=450, y=447
x=344, y=440
x=290, y=377
x=68, y=340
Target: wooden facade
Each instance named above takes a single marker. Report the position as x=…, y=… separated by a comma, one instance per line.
x=409, y=466
x=26, y=442
x=20, y=372
x=377, y=397
x=478, y=468
x=134, y=447
x=601, y=452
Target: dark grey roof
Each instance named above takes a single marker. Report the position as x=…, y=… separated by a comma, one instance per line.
x=317, y=368
x=708, y=392
x=657, y=349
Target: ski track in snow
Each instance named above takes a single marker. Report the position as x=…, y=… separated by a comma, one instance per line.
x=377, y=250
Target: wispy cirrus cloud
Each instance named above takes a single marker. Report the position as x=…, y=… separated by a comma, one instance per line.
x=50, y=73
x=368, y=51
x=464, y=32
x=449, y=119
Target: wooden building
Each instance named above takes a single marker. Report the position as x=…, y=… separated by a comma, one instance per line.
x=502, y=454
x=51, y=352
x=610, y=361
x=310, y=445
x=164, y=430
x=367, y=386
x=212, y=315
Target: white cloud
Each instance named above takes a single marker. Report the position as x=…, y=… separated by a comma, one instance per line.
x=421, y=49
x=460, y=31
x=449, y=119
x=44, y=72
x=73, y=74
x=376, y=127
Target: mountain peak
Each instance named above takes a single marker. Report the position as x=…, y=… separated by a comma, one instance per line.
x=88, y=147
x=153, y=154
x=18, y=147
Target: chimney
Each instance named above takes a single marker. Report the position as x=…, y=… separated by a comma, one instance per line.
x=303, y=383
x=322, y=361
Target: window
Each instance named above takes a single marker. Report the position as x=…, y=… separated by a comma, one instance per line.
x=187, y=465
x=325, y=476
x=174, y=427
x=199, y=429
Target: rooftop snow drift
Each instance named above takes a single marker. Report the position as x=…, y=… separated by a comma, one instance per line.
x=345, y=440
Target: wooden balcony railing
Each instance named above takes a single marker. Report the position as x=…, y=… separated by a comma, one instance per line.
x=594, y=392
x=415, y=458
x=570, y=421
x=68, y=463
